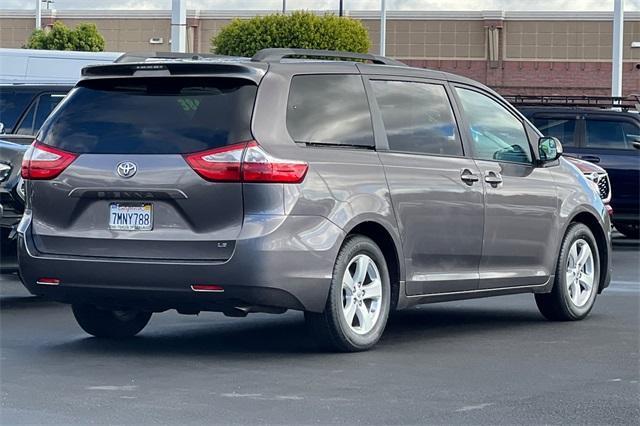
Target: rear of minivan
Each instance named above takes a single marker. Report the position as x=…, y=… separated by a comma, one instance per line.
x=149, y=190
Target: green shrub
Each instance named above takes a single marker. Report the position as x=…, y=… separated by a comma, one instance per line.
x=299, y=30
x=85, y=37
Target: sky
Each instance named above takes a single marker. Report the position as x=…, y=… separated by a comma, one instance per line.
x=578, y=5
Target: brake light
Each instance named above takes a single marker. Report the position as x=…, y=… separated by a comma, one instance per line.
x=245, y=162
x=208, y=288
x=42, y=162
x=48, y=281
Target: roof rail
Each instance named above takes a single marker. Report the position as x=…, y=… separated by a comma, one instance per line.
x=143, y=56
x=277, y=54
x=626, y=103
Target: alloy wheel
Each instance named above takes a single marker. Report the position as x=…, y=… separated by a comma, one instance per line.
x=361, y=294
x=580, y=273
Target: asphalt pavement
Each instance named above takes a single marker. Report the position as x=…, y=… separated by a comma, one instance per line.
x=490, y=361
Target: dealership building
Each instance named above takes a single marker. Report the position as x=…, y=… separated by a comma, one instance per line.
x=513, y=52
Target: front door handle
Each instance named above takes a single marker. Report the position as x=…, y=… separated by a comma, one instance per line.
x=467, y=176
x=493, y=178
x=590, y=158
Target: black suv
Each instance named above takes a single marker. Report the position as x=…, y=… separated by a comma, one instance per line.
x=601, y=130
x=24, y=107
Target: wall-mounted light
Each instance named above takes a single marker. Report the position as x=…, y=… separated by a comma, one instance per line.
x=156, y=40
x=635, y=44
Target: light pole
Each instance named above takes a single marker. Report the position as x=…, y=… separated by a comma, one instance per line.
x=341, y=10
x=616, y=57
x=179, y=26
x=383, y=27
x=284, y=6
x=38, y=14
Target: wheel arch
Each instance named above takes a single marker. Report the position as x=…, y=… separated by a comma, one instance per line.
x=391, y=250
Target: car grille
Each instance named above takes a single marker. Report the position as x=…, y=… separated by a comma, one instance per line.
x=604, y=187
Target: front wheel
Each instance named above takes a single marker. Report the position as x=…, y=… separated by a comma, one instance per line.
x=359, y=298
x=577, y=277
x=116, y=324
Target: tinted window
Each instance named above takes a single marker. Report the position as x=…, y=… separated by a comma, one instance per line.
x=12, y=104
x=417, y=117
x=38, y=113
x=496, y=133
x=26, y=124
x=329, y=109
x=152, y=116
x=562, y=128
x=611, y=134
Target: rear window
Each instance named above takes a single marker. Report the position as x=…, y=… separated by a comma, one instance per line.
x=611, y=134
x=152, y=116
x=329, y=109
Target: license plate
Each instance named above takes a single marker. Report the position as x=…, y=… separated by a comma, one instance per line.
x=130, y=217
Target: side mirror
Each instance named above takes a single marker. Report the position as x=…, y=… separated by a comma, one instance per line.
x=549, y=148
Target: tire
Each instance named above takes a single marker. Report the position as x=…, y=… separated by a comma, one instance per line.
x=628, y=229
x=570, y=299
x=110, y=324
x=331, y=327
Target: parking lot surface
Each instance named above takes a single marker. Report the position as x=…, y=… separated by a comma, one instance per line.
x=491, y=361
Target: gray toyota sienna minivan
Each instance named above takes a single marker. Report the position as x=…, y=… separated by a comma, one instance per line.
x=342, y=188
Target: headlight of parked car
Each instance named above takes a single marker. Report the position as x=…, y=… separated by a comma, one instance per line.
x=5, y=171
x=20, y=189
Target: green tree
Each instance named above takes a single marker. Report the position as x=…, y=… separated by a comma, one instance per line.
x=85, y=37
x=298, y=30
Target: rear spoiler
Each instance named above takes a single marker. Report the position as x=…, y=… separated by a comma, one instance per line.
x=253, y=72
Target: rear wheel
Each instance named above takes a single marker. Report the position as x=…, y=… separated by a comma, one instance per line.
x=110, y=323
x=577, y=277
x=628, y=229
x=359, y=298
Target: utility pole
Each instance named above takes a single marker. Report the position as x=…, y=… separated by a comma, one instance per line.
x=341, y=11
x=618, y=32
x=178, y=25
x=284, y=6
x=383, y=27
x=38, y=14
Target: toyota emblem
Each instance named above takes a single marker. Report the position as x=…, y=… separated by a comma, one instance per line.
x=126, y=169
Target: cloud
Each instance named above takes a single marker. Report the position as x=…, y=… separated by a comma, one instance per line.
x=275, y=5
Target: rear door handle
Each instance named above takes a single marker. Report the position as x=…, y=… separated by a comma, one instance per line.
x=590, y=158
x=467, y=176
x=493, y=178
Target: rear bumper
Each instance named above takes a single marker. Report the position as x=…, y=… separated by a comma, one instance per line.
x=278, y=262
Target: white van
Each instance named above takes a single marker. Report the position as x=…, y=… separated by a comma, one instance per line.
x=48, y=66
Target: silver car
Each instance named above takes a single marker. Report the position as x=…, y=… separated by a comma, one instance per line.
x=344, y=189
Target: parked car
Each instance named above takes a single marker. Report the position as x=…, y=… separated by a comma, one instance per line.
x=598, y=178
x=339, y=188
x=11, y=201
x=23, y=109
x=601, y=130
x=35, y=66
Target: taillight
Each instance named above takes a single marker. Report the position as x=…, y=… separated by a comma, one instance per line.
x=42, y=162
x=220, y=164
x=246, y=162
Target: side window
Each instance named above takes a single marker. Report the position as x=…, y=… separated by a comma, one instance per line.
x=329, y=109
x=12, y=104
x=496, y=133
x=38, y=112
x=417, y=117
x=611, y=134
x=562, y=128
x=25, y=127
x=46, y=104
